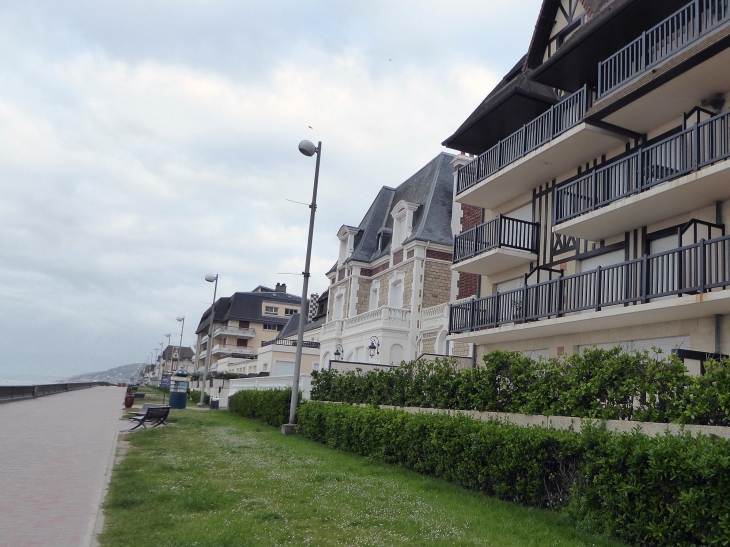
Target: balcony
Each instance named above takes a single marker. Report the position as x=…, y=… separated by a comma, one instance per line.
x=380, y=318
x=667, y=70
x=234, y=331
x=660, y=42
x=498, y=245
x=231, y=350
x=680, y=174
x=637, y=292
x=290, y=343
x=547, y=147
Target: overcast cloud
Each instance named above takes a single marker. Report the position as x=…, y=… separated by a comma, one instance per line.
x=146, y=143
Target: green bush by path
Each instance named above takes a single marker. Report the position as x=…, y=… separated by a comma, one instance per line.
x=195, y=397
x=601, y=384
x=271, y=406
x=646, y=491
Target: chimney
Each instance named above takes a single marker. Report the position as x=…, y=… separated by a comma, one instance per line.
x=280, y=287
x=313, y=298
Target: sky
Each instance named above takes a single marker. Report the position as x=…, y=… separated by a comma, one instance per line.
x=144, y=144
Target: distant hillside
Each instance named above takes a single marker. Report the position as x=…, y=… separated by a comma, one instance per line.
x=114, y=375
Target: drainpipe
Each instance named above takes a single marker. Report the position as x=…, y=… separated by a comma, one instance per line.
x=718, y=318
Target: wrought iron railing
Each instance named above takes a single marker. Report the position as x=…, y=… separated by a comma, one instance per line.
x=563, y=116
x=499, y=232
x=290, y=343
x=692, y=269
x=685, y=152
x=653, y=46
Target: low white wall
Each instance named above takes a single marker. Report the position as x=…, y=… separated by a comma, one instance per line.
x=271, y=382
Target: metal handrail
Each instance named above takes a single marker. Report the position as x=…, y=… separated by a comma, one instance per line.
x=502, y=231
x=691, y=269
x=690, y=150
x=677, y=31
x=557, y=120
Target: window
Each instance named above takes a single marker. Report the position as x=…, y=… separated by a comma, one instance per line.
x=241, y=342
x=395, y=295
x=290, y=311
x=339, y=306
x=374, y=296
x=271, y=310
x=272, y=327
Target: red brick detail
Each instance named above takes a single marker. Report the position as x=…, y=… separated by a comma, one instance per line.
x=341, y=275
x=380, y=268
x=471, y=217
x=439, y=255
x=411, y=253
x=468, y=285
x=397, y=257
x=365, y=272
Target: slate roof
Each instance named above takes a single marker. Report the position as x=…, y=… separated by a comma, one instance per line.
x=187, y=353
x=292, y=327
x=248, y=306
x=431, y=188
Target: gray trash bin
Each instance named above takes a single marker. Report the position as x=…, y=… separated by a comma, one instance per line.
x=215, y=403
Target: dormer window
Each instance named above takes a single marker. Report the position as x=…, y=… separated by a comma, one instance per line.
x=402, y=222
x=346, y=235
x=384, y=235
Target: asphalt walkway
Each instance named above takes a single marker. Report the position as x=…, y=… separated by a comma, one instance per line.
x=55, y=453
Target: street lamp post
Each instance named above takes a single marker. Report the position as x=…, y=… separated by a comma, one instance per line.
x=181, y=319
x=210, y=278
x=308, y=149
x=169, y=346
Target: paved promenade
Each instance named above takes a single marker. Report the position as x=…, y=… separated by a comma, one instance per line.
x=55, y=452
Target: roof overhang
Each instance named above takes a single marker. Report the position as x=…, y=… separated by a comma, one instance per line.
x=492, y=122
x=576, y=63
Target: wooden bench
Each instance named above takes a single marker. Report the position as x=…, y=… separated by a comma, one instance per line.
x=154, y=414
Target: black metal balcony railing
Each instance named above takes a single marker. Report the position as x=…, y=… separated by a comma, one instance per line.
x=563, y=116
x=497, y=233
x=293, y=343
x=692, y=269
x=685, y=152
x=653, y=46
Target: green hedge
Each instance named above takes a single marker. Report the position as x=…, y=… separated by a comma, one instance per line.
x=602, y=384
x=271, y=406
x=194, y=396
x=670, y=490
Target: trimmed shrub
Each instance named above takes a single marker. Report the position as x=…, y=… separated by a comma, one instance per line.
x=194, y=396
x=646, y=491
x=601, y=384
x=270, y=406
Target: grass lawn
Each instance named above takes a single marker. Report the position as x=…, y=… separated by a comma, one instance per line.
x=212, y=480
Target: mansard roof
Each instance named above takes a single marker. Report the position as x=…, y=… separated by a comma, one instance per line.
x=247, y=306
x=430, y=188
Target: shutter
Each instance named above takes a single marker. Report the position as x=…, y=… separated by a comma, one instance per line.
x=664, y=344
x=511, y=285
x=523, y=213
x=663, y=244
x=625, y=346
x=284, y=368
x=608, y=259
x=537, y=354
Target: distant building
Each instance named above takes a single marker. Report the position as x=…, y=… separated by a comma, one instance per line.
x=243, y=323
x=172, y=360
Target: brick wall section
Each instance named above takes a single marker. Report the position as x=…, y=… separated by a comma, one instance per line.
x=363, y=295
x=438, y=255
x=461, y=349
x=341, y=275
x=366, y=272
x=469, y=283
x=397, y=257
x=407, y=286
x=410, y=254
x=436, y=284
x=380, y=269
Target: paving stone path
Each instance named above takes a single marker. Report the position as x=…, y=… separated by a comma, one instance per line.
x=55, y=453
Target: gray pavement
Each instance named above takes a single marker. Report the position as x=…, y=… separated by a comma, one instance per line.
x=55, y=453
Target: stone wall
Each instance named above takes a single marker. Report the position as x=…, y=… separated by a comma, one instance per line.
x=436, y=283
x=363, y=295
